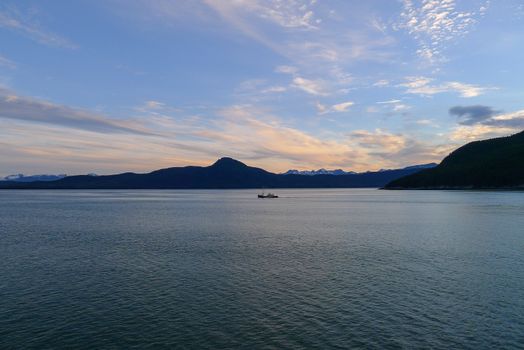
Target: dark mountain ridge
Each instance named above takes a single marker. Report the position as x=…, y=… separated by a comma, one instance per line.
x=226, y=173
x=32, y=178
x=323, y=171
x=489, y=164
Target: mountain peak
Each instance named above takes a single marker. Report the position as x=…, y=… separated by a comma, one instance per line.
x=227, y=162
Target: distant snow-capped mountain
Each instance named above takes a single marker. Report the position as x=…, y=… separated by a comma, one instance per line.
x=318, y=172
x=32, y=178
x=323, y=171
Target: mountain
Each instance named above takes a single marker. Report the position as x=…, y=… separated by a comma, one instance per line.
x=321, y=171
x=416, y=167
x=421, y=166
x=224, y=173
x=488, y=164
x=32, y=178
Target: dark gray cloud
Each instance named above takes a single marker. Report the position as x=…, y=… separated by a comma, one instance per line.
x=470, y=115
x=485, y=115
x=513, y=120
x=34, y=110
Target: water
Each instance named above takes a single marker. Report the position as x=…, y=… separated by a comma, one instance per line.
x=223, y=269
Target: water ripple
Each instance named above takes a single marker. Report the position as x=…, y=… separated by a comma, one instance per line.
x=331, y=269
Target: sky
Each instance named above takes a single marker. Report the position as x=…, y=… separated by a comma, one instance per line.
x=137, y=85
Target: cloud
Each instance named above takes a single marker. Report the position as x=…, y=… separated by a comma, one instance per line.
x=154, y=104
x=466, y=90
x=321, y=108
x=379, y=139
x=29, y=109
x=250, y=16
x=395, y=105
x=287, y=14
x=513, y=120
x=342, y=107
x=298, y=30
x=433, y=23
x=427, y=122
x=338, y=78
x=469, y=115
x=381, y=83
x=480, y=122
x=422, y=86
x=153, y=108
x=313, y=87
x=336, y=108
x=399, y=107
x=274, y=89
x=81, y=141
x=54, y=148
x=254, y=134
x=389, y=102
x=25, y=23
x=487, y=116
x=286, y=69
x=462, y=134
x=393, y=149
x=4, y=61
x=257, y=90
x=342, y=47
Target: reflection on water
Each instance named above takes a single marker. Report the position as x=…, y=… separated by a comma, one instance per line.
x=212, y=269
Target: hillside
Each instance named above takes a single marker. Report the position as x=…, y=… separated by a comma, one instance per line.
x=488, y=164
x=225, y=173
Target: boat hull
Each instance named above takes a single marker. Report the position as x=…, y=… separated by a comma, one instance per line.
x=267, y=196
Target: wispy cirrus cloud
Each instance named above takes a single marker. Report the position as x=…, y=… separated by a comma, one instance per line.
x=389, y=102
x=382, y=83
x=434, y=23
x=26, y=23
x=424, y=86
x=316, y=87
x=4, y=61
x=395, y=105
x=13, y=106
x=342, y=107
x=287, y=14
x=53, y=147
x=313, y=87
x=247, y=16
x=300, y=31
x=286, y=69
x=256, y=90
x=336, y=108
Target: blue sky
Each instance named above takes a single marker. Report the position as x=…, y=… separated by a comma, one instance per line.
x=136, y=85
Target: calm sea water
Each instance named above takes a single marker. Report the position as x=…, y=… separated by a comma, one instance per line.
x=223, y=269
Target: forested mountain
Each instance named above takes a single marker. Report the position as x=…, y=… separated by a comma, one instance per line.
x=494, y=163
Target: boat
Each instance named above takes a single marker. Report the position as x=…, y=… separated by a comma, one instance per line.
x=268, y=195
